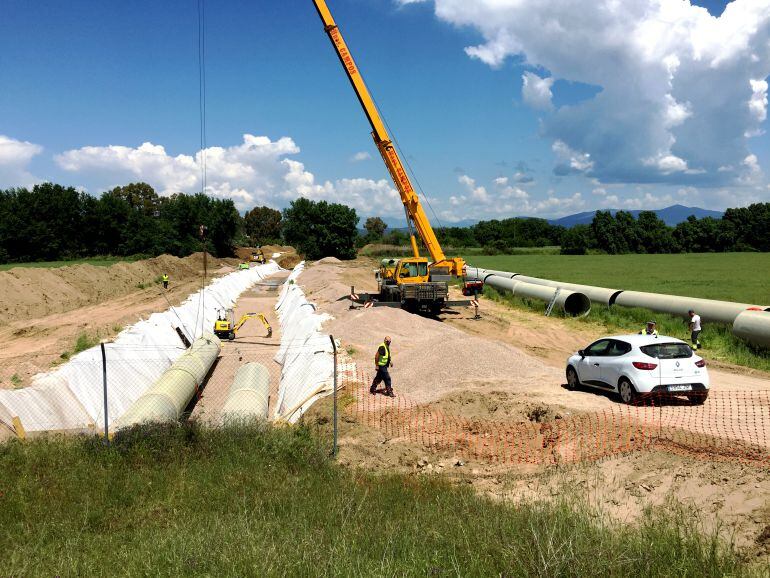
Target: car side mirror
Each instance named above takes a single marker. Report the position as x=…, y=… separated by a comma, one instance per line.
x=581, y=353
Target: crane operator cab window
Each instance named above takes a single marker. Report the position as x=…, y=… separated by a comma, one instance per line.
x=414, y=270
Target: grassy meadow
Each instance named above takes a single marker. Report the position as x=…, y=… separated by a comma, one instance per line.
x=743, y=277
x=95, y=261
x=255, y=501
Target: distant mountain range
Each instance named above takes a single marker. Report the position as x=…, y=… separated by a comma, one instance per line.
x=672, y=215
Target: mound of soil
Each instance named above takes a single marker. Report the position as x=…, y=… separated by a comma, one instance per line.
x=28, y=293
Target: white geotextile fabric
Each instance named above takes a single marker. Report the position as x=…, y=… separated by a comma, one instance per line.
x=306, y=354
x=71, y=396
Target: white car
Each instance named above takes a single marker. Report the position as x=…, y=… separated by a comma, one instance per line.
x=640, y=365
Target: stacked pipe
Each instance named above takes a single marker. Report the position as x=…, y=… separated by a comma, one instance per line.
x=167, y=398
x=249, y=395
x=749, y=322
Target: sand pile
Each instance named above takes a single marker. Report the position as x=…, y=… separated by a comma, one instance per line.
x=27, y=293
x=433, y=359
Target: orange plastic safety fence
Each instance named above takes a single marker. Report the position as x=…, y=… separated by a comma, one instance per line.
x=729, y=425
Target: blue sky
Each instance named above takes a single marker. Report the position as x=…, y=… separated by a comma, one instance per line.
x=549, y=114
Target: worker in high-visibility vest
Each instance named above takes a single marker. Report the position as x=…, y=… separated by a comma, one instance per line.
x=650, y=329
x=243, y=266
x=165, y=280
x=382, y=361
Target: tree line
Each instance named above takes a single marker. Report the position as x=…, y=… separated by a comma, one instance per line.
x=741, y=229
x=51, y=222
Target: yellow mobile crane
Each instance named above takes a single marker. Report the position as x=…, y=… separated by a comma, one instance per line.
x=413, y=283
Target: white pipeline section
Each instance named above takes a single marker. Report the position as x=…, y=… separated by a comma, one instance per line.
x=573, y=303
x=753, y=326
x=306, y=354
x=71, y=396
x=749, y=322
x=249, y=395
x=169, y=396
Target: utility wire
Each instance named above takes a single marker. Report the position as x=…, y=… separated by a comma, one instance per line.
x=201, y=312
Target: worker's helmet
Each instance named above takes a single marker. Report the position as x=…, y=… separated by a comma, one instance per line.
x=651, y=323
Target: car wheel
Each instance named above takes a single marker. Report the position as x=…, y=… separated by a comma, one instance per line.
x=573, y=381
x=626, y=391
x=698, y=398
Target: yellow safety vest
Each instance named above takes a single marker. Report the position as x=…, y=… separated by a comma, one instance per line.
x=384, y=359
x=165, y=277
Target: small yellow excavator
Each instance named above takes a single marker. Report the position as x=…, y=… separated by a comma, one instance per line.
x=225, y=326
x=258, y=256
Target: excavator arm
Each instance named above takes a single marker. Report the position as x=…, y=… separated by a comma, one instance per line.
x=415, y=214
x=248, y=316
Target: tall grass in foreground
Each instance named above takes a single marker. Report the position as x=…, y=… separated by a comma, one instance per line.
x=254, y=501
x=718, y=341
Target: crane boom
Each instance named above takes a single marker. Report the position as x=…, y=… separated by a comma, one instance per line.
x=414, y=211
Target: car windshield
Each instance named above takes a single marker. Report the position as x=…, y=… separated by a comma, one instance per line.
x=667, y=350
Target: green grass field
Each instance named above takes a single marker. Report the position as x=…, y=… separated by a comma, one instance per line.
x=255, y=501
x=743, y=277
x=95, y=261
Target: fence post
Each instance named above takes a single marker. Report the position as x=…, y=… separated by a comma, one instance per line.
x=104, y=384
x=334, y=395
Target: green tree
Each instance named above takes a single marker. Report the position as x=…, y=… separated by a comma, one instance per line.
x=575, y=240
x=375, y=229
x=608, y=233
x=653, y=235
x=263, y=225
x=321, y=229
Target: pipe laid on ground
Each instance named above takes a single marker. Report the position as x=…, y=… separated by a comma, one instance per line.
x=167, y=398
x=710, y=310
x=476, y=273
x=249, y=395
x=601, y=295
x=753, y=326
x=573, y=303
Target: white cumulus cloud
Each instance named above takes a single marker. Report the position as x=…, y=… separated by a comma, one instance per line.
x=678, y=86
x=536, y=91
x=255, y=172
x=15, y=156
x=360, y=156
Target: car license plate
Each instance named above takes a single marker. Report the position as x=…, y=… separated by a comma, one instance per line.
x=683, y=387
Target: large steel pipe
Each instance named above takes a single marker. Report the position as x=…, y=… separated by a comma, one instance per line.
x=573, y=303
x=249, y=395
x=601, y=295
x=709, y=309
x=481, y=274
x=167, y=398
x=753, y=326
